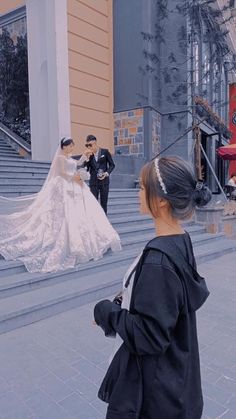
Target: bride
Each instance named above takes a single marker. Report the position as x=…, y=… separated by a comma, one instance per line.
x=60, y=226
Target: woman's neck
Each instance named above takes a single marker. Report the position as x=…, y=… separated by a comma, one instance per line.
x=167, y=227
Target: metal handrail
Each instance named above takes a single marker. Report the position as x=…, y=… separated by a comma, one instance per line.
x=25, y=147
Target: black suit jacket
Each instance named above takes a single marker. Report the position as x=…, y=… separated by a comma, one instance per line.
x=104, y=162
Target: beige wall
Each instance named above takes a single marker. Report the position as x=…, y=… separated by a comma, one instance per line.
x=8, y=5
x=90, y=70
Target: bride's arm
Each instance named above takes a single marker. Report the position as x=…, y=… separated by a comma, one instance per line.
x=82, y=160
x=63, y=173
x=85, y=159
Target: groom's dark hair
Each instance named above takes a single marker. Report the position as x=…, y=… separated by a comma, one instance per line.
x=91, y=138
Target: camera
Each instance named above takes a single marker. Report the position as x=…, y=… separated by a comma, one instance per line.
x=100, y=174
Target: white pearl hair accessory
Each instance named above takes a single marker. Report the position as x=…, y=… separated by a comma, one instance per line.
x=156, y=164
x=66, y=139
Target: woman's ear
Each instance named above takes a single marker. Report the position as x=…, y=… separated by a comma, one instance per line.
x=162, y=202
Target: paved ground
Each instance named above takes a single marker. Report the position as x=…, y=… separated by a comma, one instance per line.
x=52, y=369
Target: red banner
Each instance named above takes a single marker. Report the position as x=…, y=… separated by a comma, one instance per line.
x=232, y=120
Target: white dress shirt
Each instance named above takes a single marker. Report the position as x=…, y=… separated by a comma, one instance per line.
x=232, y=183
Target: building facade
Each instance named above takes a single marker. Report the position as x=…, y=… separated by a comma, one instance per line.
x=70, y=66
x=137, y=74
x=177, y=60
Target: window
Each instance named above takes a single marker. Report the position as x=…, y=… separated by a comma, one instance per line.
x=206, y=71
x=223, y=95
x=196, y=63
x=215, y=87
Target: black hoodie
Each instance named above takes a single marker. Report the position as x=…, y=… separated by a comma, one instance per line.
x=156, y=373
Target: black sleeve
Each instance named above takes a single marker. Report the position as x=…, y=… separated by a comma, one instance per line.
x=158, y=300
x=111, y=164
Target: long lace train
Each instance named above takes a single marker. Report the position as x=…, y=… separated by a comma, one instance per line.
x=60, y=227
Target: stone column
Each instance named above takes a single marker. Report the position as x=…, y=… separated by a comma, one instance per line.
x=48, y=75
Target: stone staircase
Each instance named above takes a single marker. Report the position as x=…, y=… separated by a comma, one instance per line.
x=7, y=151
x=19, y=176
x=26, y=298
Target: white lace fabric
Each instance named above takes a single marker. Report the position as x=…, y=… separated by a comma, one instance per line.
x=61, y=226
x=126, y=298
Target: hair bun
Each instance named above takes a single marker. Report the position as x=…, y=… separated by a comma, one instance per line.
x=201, y=195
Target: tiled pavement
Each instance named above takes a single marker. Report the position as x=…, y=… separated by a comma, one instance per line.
x=52, y=369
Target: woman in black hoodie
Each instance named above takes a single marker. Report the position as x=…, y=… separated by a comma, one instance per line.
x=155, y=373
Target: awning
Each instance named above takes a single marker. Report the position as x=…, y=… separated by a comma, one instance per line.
x=227, y=152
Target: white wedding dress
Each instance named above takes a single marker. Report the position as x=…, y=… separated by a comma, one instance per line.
x=61, y=226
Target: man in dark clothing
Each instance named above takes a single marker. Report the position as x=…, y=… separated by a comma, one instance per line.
x=100, y=166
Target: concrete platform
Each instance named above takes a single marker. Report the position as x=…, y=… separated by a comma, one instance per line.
x=52, y=369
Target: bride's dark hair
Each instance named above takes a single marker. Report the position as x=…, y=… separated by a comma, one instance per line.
x=65, y=141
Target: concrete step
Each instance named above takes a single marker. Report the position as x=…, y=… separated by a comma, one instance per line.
x=130, y=240
x=6, y=148
x=10, y=157
x=11, y=154
x=22, y=175
x=113, y=203
x=38, y=304
x=11, y=190
x=20, y=183
x=148, y=227
x=14, y=190
x=4, y=143
x=132, y=231
x=132, y=194
x=12, y=267
x=8, y=268
x=131, y=221
x=24, y=163
x=17, y=176
x=123, y=201
x=198, y=239
x=215, y=250
x=25, y=281
x=15, y=194
x=11, y=171
x=113, y=212
x=124, y=190
x=122, y=206
x=13, y=181
x=41, y=302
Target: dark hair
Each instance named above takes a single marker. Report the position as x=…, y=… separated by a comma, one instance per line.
x=233, y=174
x=91, y=138
x=183, y=192
x=65, y=141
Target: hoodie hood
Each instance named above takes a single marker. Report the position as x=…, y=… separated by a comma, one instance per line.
x=194, y=285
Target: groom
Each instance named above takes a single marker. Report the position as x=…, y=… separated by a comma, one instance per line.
x=100, y=166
